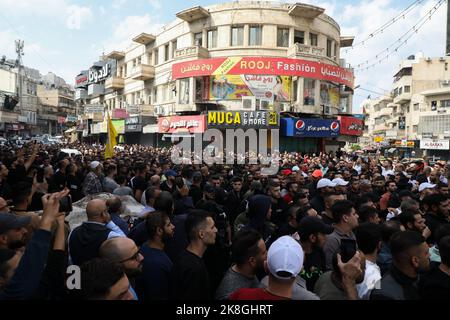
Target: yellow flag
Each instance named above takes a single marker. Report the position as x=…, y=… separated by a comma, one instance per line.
x=112, y=136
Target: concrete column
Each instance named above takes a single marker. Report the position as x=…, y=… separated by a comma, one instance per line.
x=291, y=36
x=205, y=38
x=300, y=90
x=170, y=55
x=192, y=91
x=246, y=35
x=350, y=104
x=307, y=40
x=317, y=93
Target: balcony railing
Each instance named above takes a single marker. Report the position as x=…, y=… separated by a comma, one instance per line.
x=115, y=83
x=194, y=52
x=299, y=49
x=143, y=72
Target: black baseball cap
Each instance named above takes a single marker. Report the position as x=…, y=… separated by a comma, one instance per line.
x=312, y=225
x=9, y=221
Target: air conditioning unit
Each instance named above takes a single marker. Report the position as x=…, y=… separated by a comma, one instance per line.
x=441, y=59
x=264, y=104
x=249, y=103
x=327, y=110
x=285, y=107
x=428, y=59
x=158, y=111
x=446, y=82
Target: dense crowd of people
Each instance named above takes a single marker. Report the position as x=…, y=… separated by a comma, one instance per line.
x=332, y=226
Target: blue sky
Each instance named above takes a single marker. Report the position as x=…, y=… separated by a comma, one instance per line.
x=66, y=36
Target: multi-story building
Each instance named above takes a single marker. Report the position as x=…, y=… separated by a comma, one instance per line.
x=27, y=101
x=57, y=107
x=241, y=56
x=18, y=99
x=418, y=111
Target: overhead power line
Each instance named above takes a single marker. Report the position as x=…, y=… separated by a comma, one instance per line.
x=386, y=53
x=385, y=26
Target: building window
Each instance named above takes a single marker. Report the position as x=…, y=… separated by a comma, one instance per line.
x=283, y=37
x=400, y=91
x=157, y=56
x=139, y=61
x=149, y=58
x=445, y=103
x=184, y=91
x=199, y=89
x=255, y=38
x=313, y=39
x=237, y=36
x=416, y=107
x=335, y=50
x=329, y=43
x=198, y=39
x=212, y=39
x=407, y=89
x=309, y=96
x=299, y=37
x=166, y=52
x=295, y=95
x=415, y=128
x=174, y=47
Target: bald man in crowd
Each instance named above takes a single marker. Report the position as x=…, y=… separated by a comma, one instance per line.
x=85, y=240
x=125, y=252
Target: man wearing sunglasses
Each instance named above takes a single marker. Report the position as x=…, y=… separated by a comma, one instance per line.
x=125, y=252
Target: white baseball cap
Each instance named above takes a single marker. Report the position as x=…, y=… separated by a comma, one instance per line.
x=340, y=182
x=285, y=255
x=94, y=164
x=426, y=185
x=295, y=169
x=323, y=183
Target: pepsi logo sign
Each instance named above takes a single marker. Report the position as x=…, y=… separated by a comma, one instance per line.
x=300, y=125
x=335, y=126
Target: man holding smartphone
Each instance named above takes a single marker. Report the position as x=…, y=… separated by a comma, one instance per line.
x=346, y=220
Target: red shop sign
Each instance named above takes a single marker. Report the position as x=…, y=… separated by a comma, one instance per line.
x=176, y=124
x=263, y=66
x=351, y=126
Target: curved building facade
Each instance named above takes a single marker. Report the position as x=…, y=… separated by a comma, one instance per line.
x=249, y=56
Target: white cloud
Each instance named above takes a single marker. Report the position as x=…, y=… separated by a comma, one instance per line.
x=33, y=7
x=117, y=4
x=156, y=4
x=361, y=19
x=77, y=17
x=129, y=28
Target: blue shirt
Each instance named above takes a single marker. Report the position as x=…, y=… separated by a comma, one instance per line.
x=153, y=284
x=120, y=223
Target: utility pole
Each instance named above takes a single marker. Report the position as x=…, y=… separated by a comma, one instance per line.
x=19, y=66
x=447, y=52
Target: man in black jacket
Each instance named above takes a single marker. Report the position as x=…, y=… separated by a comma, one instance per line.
x=235, y=198
x=85, y=240
x=437, y=213
x=21, y=275
x=410, y=256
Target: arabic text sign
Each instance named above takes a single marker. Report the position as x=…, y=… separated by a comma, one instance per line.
x=263, y=66
x=94, y=109
x=351, y=126
x=242, y=119
x=175, y=124
x=430, y=144
x=317, y=128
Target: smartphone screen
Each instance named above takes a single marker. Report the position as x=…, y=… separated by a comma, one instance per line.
x=348, y=249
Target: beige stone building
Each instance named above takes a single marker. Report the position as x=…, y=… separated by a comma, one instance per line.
x=419, y=107
x=142, y=80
